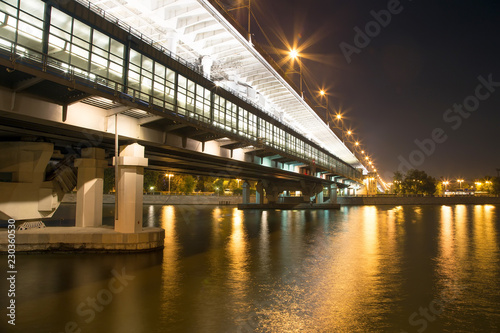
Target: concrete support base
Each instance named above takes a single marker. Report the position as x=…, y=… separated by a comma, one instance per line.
x=332, y=193
x=102, y=239
x=246, y=192
x=26, y=195
x=259, y=193
x=319, y=197
x=131, y=163
x=89, y=187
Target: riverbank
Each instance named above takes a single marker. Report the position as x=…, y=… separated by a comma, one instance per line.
x=394, y=200
x=155, y=199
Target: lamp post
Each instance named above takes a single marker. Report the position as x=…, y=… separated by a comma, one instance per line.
x=339, y=125
x=349, y=133
x=460, y=181
x=328, y=116
x=169, y=175
x=445, y=183
x=323, y=94
x=294, y=54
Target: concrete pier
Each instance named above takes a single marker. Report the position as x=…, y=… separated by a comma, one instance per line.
x=89, y=187
x=88, y=239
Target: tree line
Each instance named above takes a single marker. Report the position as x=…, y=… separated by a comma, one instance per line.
x=418, y=182
x=158, y=181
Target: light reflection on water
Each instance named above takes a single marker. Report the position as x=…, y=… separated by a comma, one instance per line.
x=358, y=269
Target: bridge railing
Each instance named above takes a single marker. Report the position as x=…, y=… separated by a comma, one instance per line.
x=78, y=77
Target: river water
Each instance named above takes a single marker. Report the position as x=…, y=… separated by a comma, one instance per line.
x=357, y=269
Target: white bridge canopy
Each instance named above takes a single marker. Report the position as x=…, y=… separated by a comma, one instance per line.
x=197, y=32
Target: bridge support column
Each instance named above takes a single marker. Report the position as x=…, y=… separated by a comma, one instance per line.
x=131, y=163
x=259, y=193
x=89, y=187
x=332, y=193
x=319, y=197
x=246, y=192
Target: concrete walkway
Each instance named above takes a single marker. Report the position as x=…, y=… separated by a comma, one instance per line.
x=289, y=206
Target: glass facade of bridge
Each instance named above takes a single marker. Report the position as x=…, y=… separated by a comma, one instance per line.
x=35, y=30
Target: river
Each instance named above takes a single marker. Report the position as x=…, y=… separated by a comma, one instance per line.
x=357, y=269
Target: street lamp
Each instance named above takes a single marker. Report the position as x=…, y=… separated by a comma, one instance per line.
x=324, y=94
x=445, y=183
x=294, y=54
x=169, y=175
x=460, y=181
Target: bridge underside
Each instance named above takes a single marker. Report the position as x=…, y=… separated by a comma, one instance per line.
x=180, y=157
x=69, y=139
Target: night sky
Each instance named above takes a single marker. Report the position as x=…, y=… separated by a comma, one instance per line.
x=398, y=87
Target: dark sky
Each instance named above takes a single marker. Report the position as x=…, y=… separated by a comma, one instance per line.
x=399, y=87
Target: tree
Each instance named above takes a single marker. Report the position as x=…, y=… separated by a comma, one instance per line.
x=418, y=182
x=188, y=184
x=205, y=184
x=219, y=185
x=109, y=180
x=150, y=179
x=397, y=181
x=496, y=186
x=439, y=189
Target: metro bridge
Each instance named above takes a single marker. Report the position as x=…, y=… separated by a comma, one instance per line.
x=183, y=91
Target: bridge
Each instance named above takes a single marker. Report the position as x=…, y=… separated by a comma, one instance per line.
x=168, y=85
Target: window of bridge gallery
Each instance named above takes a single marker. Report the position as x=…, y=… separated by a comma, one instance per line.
x=164, y=83
x=159, y=81
x=134, y=70
x=252, y=125
x=181, y=94
x=243, y=122
x=30, y=24
x=7, y=29
x=265, y=131
x=219, y=110
x=203, y=102
x=299, y=150
x=140, y=74
x=190, y=95
x=24, y=26
x=289, y=142
x=107, y=56
x=60, y=35
x=281, y=139
x=231, y=116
